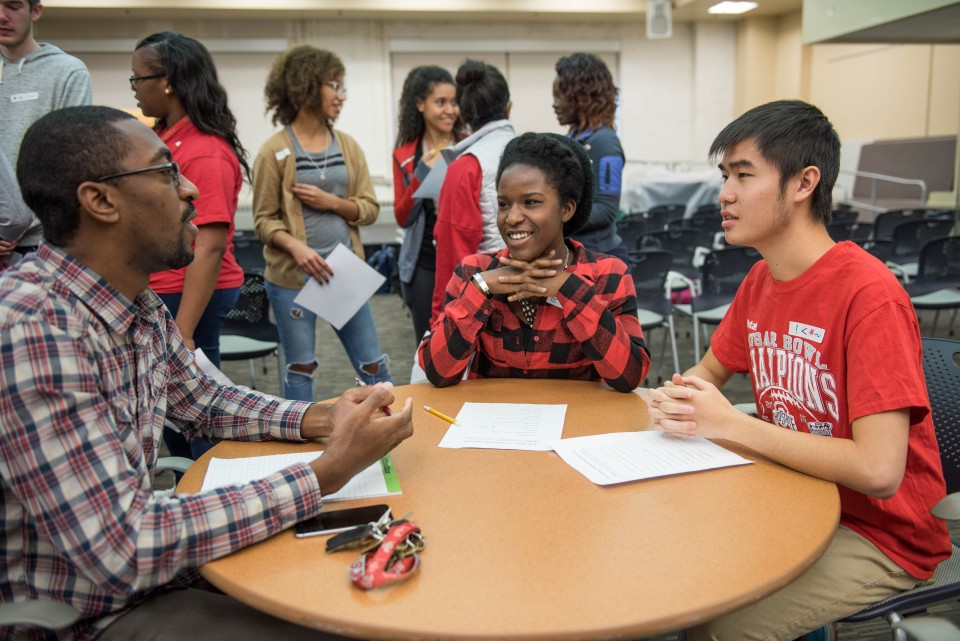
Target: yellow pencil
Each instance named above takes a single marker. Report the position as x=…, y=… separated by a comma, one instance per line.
x=452, y=421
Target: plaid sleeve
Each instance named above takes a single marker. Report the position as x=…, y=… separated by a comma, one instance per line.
x=445, y=352
x=600, y=310
x=82, y=481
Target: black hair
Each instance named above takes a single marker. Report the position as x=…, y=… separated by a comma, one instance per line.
x=564, y=164
x=482, y=93
x=296, y=80
x=62, y=149
x=791, y=135
x=419, y=84
x=190, y=70
x=585, y=82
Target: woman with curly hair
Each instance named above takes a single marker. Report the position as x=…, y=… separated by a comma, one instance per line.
x=428, y=123
x=311, y=191
x=174, y=80
x=585, y=99
x=543, y=307
x=467, y=205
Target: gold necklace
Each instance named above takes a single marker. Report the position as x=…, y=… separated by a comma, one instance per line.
x=529, y=308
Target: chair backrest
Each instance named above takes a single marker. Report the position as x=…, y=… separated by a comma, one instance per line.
x=849, y=230
x=681, y=242
x=887, y=221
x=251, y=315
x=844, y=215
x=721, y=274
x=666, y=213
x=879, y=248
x=943, y=387
x=649, y=269
x=249, y=254
x=938, y=267
x=708, y=222
x=910, y=236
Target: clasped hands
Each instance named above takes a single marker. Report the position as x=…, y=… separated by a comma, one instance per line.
x=689, y=406
x=521, y=279
x=314, y=197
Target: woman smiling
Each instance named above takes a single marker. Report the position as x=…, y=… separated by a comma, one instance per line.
x=544, y=307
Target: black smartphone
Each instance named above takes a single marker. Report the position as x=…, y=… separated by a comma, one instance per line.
x=340, y=520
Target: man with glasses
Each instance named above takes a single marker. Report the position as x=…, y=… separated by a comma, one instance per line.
x=91, y=363
x=35, y=78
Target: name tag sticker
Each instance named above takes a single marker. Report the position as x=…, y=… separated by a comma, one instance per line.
x=24, y=97
x=807, y=332
x=553, y=300
x=283, y=153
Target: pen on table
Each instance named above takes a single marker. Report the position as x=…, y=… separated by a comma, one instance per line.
x=386, y=410
x=452, y=421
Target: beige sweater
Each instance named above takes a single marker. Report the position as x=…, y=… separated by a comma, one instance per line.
x=275, y=208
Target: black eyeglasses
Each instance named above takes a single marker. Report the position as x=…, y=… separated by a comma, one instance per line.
x=135, y=80
x=172, y=167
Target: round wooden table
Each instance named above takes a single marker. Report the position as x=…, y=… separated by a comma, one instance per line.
x=521, y=546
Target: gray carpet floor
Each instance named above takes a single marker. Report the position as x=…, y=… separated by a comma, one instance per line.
x=397, y=340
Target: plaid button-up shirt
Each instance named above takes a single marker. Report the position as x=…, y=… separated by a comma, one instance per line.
x=86, y=380
x=593, y=334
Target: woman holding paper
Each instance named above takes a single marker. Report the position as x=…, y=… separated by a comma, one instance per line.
x=544, y=307
x=427, y=123
x=311, y=191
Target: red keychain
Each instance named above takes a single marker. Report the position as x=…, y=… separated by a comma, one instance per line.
x=394, y=559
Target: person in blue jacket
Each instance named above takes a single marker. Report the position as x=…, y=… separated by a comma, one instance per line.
x=585, y=99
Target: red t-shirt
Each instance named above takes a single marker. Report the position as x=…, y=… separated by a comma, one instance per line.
x=459, y=227
x=209, y=163
x=835, y=344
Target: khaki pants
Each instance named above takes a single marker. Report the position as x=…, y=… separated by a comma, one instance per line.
x=850, y=575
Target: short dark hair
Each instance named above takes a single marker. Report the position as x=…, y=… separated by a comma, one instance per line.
x=482, y=93
x=565, y=165
x=585, y=82
x=296, y=80
x=62, y=149
x=791, y=135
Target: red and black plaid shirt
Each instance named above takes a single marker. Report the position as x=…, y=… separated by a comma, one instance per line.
x=594, y=334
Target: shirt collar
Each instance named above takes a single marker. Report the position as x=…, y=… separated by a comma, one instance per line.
x=102, y=299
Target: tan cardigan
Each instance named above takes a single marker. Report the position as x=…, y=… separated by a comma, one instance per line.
x=275, y=208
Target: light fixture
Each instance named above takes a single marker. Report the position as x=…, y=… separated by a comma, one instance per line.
x=732, y=7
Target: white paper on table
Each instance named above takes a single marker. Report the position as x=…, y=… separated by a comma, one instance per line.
x=430, y=187
x=352, y=285
x=606, y=459
x=369, y=483
x=506, y=426
x=207, y=367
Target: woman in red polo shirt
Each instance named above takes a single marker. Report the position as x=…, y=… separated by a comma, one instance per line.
x=174, y=80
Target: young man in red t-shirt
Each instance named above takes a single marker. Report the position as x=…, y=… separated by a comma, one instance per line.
x=832, y=345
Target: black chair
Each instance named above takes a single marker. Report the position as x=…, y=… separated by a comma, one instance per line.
x=247, y=332
x=721, y=273
x=709, y=223
x=649, y=269
x=937, y=285
x=879, y=248
x=943, y=386
x=844, y=215
x=249, y=254
x=854, y=231
x=887, y=221
x=667, y=213
x=909, y=237
x=632, y=227
x=681, y=242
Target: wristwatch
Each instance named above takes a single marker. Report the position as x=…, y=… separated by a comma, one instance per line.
x=481, y=285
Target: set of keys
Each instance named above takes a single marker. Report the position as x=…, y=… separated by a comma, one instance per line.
x=388, y=551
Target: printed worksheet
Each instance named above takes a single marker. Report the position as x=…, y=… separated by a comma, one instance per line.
x=380, y=479
x=506, y=426
x=352, y=285
x=606, y=459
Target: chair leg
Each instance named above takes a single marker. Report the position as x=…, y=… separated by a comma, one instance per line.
x=936, y=318
x=280, y=372
x=673, y=345
x=253, y=374
x=696, y=340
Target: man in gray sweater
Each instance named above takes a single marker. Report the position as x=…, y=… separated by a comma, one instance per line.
x=35, y=79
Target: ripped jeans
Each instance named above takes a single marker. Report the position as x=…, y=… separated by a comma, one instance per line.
x=298, y=336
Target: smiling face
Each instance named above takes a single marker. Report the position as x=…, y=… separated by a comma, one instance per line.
x=16, y=27
x=439, y=109
x=155, y=209
x=754, y=207
x=531, y=216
